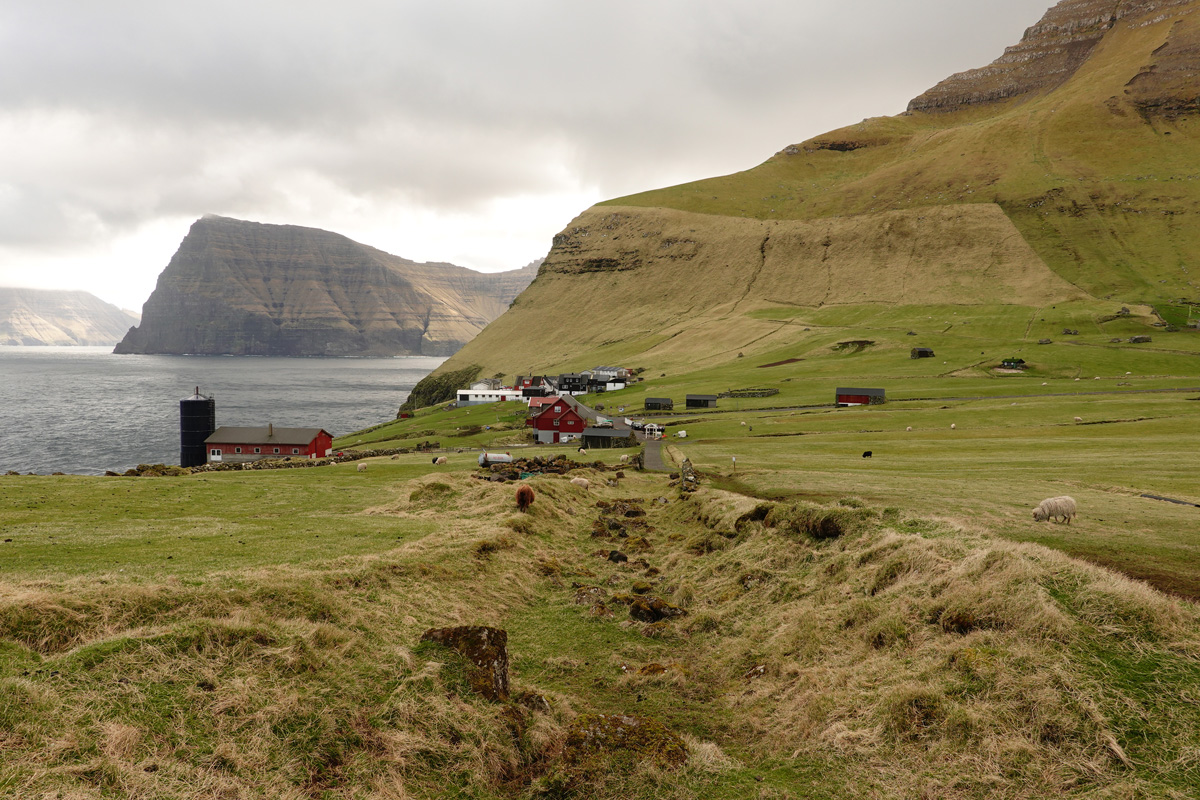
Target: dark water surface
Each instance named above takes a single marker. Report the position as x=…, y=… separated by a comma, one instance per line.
x=83, y=410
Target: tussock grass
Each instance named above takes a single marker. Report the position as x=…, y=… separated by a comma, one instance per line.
x=904, y=653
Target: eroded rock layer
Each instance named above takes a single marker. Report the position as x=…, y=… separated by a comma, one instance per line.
x=244, y=288
x=1048, y=55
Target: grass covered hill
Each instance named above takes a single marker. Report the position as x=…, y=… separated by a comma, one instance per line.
x=1038, y=180
x=247, y=635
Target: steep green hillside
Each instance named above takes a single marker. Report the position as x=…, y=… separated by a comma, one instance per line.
x=1068, y=171
x=1101, y=175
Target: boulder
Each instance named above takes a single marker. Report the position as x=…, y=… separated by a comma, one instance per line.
x=593, y=736
x=487, y=651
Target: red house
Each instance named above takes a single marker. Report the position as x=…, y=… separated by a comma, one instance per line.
x=558, y=422
x=536, y=405
x=236, y=445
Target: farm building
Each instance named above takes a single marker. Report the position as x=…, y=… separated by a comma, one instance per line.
x=234, y=445
x=659, y=404
x=1013, y=363
x=607, y=438
x=860, y=397
x=562, y=420
x=922, y=352
x=701, y=401
x=572, y=383
x=477, y=397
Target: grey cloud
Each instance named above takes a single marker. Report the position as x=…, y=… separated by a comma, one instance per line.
x=227, y=106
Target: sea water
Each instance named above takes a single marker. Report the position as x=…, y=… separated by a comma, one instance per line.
x=83, y=410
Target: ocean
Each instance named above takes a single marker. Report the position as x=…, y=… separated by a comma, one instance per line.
x=82, y=410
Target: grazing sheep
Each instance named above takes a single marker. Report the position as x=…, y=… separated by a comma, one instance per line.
x=524, y=498
x=909, y=428
x=582, y=483
x=1079, y=419
x=362, y=467
x=625, y=459
x=743, y=424
x=1055, y=507
x=582, y=452
x=953, y=426
x=441, y=461
x=867, y=454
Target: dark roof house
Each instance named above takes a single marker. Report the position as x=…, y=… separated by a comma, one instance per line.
x=233, y=444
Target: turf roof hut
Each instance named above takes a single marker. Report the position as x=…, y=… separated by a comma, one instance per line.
x=659, y=404
x=860, y=397
x=922, y=352
x=701, y=401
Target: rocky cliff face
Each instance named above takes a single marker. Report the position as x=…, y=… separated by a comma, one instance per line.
x=44, y=317
x=244, y=288
x=1049, y=53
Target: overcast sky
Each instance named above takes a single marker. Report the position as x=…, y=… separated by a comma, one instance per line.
x=451, y=130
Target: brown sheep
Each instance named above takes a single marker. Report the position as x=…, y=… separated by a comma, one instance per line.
x=524, y=498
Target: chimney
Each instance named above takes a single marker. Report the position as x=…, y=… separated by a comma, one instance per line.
x=270, y=430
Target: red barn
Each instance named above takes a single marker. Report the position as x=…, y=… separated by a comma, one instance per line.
x=859, y=397
x=235, y=445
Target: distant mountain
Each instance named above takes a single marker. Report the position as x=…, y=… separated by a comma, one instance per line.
x=245, y=288
x=48, y=317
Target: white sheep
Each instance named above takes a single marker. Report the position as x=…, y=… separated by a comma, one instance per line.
x=1055, y=507
x=582, y=483
x=1079, y=419
x=362, y=467
x=582, y=452
x=743, y=424
x=441, y=461
x=909, y=428
x=625, y=459
x=953, y=426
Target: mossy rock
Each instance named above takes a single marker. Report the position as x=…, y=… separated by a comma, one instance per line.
x=593, y=737
x=487, y=651
x=653, y=609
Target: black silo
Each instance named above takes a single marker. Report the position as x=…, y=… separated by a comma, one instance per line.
x=197, y=421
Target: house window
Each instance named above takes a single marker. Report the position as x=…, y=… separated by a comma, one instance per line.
x=216, y=451
x=556, y=423
x=237, y=449
x=276, y=449
x=258, y=449
x=557, y=409
x=295, y=451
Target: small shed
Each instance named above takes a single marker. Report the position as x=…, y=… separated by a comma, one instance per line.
x=701, y=401
x=860, y=397
x=922, y=352
x=659, y=404
x=1013, y=363
x=608, y=437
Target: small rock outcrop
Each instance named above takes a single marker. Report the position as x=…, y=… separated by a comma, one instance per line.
x=487, y=651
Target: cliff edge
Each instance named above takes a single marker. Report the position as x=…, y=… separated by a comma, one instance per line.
x=246, y=288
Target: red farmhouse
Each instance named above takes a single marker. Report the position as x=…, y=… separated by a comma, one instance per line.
x=558, y=422
x=235, y=445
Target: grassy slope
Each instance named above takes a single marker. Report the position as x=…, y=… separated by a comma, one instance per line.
x=1101, y=193
x=911, y=655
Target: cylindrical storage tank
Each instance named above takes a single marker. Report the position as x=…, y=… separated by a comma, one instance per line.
x=197, y=421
